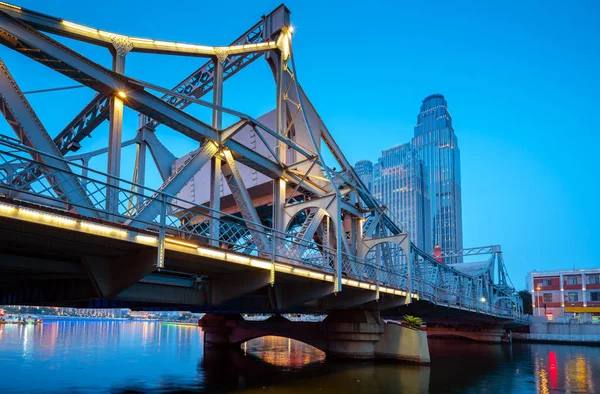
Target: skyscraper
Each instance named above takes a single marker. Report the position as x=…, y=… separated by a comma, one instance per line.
x=364, y=170
x=400, y=183
x=437, y=145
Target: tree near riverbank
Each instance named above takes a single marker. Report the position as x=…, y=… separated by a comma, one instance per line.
x=527, y=302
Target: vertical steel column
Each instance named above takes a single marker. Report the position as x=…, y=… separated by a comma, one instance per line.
x=406, y=248
x=378, y=273
x=279, y=185
x=115, y=137
x=215, y=161
x=339, y=238
x=160, y=258
x=141, y=158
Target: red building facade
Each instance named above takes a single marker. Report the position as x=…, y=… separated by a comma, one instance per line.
x=568, y=293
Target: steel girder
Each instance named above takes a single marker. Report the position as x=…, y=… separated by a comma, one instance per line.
x=163, y=158
x=472, y=251
x=173, y=185
x=29, y=129
x=22, y=38
x=82, y=125
x=70, y=137
x=201, y=81
x=242, y=198
x=307, y=231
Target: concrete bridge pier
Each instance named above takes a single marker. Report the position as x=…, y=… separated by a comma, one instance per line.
x=218, y=329
x=488, y=335
x=355, y=334
x=352, y=334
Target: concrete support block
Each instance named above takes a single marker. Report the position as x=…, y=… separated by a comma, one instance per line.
x=217, y=329
x=490, y=335
x=352, y=333
x=403, y=344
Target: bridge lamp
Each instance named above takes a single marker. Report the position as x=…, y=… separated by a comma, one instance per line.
x=483, y=299
x=122, y=94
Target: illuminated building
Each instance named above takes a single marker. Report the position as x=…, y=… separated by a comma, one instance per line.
x=566, y=293
x=364, y=170
x=437, y=145
x=400, y=183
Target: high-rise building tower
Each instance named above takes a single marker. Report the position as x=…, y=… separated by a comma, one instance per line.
x=364, y=170
x=437, y=145
x=400, y=183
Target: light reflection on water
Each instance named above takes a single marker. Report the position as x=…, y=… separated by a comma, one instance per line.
x=283, y=352
x=113, y=356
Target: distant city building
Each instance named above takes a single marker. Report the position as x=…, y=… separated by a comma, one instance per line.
x=400, y=183
x=568, y=293
x=437, y=145
x=364, y=170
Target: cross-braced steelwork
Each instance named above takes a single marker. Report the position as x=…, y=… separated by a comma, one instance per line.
x=273, y=201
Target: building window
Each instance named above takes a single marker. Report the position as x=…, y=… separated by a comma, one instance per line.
x=595, y=296
x=572, y=280
x=546, y=282
x=594, y=280
x=573, y=297
x=547, y=297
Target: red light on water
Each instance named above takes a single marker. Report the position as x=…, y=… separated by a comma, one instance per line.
x=553, y=371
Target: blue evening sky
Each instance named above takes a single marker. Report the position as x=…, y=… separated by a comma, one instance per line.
x=521, y=80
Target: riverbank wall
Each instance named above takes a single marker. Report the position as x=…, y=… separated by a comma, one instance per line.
x=573, y=331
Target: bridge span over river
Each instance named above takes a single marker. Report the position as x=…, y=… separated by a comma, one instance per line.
x=253, y=220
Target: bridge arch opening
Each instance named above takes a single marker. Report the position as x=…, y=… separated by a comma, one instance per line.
x=310, y=238
x=283, y=351
x=393, y=263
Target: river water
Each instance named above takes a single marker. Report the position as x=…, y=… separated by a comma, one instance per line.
x=119, y=356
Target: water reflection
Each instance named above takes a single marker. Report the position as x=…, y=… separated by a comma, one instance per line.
x=283, y=352
x=566, y=369
x=67, y=356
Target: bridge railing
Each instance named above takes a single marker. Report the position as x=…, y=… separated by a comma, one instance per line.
x=34, y=181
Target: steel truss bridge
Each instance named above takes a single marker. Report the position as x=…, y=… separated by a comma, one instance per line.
x=273, y=204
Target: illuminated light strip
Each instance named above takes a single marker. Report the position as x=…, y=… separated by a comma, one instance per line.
x=283, y=268
x=364, y=285
x=101, y=229
x=196, y=47
x=137, y=40
x=7, y=208
x=80, y=27
x=110, y=35
x=146, y=239
x=329, y=278
x=238, y=258
x=353, y=283
x=165, y=43
x=211, y=253
x=316, y=275
x=300, y=271
x=180, y=242
x=261, y=264
x=16, y=7
x=48, y=218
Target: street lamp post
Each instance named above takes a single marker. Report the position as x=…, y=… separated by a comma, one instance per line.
x=539, y=300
